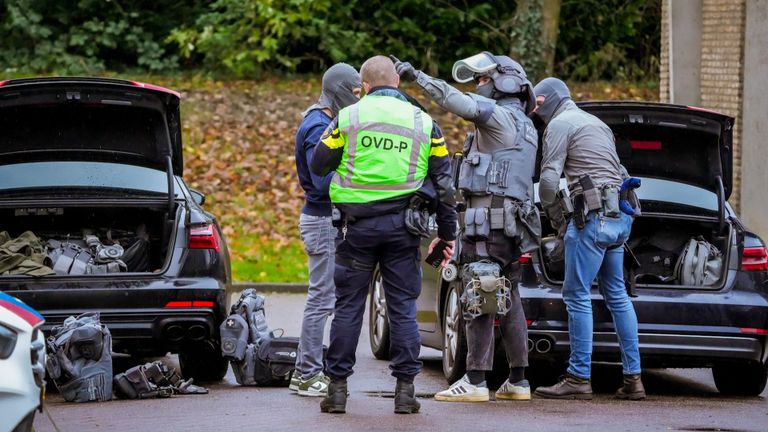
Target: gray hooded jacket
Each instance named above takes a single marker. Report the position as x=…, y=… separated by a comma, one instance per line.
x=575, y=142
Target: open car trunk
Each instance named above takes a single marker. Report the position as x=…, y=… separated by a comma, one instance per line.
x=90, y=241
x=654, y=249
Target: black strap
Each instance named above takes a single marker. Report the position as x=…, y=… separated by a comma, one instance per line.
x=354, y=264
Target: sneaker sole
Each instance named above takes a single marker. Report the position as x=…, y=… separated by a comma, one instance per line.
x=580, y=396
x=293, y=388
x=462, y=398
x=513, y=396
x=311, y=393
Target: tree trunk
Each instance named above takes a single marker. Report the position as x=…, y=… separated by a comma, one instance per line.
x=550, y=20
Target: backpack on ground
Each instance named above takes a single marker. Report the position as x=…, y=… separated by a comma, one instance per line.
x=79, y=359
x=257, y=357
x=699, y=264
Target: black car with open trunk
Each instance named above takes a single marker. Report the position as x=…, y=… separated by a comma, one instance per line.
x=93, y=167
x=684, y=157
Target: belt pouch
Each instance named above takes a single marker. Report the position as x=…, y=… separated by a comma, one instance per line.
x=477, y=225
x=611, y=202
x=473, y=177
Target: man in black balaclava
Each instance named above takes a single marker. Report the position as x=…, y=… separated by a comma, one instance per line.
x=341, y=88
x=505, y=138
x=582, y=146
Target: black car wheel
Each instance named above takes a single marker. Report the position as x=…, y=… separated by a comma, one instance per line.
x=740, y=379
x=378, y=321
x=204, y=364
x=454, y=341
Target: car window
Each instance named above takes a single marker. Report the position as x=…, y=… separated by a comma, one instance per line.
x=42, y=175
x=666, y=191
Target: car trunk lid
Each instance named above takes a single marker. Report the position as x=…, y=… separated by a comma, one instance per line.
x=91, y=119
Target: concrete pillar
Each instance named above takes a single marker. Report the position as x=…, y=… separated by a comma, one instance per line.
x=684, y=21
x=754, y=142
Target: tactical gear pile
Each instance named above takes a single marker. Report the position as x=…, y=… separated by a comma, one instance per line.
x=257, y=357
x=79, y=362
x=153, y=380
x=79, y=359
x=27, y=254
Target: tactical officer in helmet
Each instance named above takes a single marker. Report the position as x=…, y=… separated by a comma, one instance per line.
x=582, y=146
x=382, y=150
x=500, y=222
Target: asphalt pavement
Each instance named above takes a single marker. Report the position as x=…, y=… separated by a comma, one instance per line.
x=678, y=400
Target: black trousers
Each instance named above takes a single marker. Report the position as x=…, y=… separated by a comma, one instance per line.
x=512, y=325
x=381, y=240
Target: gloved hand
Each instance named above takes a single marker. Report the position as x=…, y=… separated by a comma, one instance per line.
x=628, y=184
x=404, y=69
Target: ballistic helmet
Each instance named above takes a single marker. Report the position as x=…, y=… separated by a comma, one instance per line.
x=508, y=76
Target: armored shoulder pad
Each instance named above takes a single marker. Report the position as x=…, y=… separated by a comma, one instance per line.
x=485, y=107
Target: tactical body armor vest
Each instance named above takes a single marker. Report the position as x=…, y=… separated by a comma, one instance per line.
x=80, y=359
x=506, y=172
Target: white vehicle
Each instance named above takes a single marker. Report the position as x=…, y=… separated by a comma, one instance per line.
x=22, y=364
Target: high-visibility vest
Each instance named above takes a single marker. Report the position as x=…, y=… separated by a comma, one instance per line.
x=386, y=150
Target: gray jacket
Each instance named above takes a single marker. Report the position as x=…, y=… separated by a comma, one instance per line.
x=578, y=143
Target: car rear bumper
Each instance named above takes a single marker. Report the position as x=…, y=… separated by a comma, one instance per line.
x=658, y=349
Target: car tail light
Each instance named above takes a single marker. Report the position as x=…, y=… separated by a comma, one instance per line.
x=204, y=237
x=645, y=145
x=754, y=259
x=756, y=331
x=528, y=322
x=189, y=303
x=525, y=258
x=2, y=83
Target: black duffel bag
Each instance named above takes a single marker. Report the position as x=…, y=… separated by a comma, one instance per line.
x=269, y=364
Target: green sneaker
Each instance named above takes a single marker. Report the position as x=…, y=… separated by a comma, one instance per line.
x=295, y=381
x=315, y=386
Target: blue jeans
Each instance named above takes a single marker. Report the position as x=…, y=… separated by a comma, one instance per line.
x=596, y=251
x=318, y=235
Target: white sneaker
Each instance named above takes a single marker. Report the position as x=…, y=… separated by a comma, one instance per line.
x=464, y=391
x=315, y=386
x=520, y=390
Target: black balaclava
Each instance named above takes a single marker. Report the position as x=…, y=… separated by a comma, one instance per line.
x=555, y=92
x=338, y=82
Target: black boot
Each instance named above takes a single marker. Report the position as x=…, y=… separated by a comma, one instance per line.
x=336, y=401
x=632, y=389
x=569, y=387
x=405, y=400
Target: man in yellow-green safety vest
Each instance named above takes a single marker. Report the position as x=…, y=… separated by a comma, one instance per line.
x=383, y=150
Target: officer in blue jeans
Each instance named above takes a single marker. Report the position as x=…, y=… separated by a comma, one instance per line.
x=341, y=88
x=583, y=147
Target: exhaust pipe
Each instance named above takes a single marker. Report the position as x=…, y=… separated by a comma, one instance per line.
x=196, y=332
x=530, y=344
x=543, y=346
x=174, y=333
